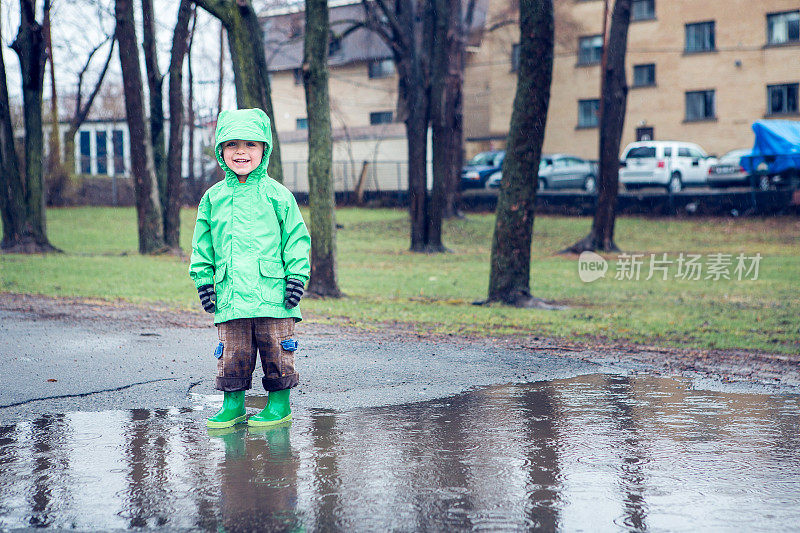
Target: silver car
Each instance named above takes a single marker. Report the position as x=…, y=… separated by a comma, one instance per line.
x=728, y=171
x=561, y=171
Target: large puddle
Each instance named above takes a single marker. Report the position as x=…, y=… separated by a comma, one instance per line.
x=600, y=452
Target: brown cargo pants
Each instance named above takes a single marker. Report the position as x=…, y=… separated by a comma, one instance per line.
x=241, y=338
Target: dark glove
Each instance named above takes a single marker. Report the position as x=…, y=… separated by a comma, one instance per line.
x=294, y=291
x=207, y=297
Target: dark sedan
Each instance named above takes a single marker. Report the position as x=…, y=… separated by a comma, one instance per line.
x=482, y=170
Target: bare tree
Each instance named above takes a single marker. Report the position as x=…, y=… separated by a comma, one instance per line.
x=407, y=28
x=56, y=178
x=509, y=278
x=320, y=147
x=174, y=185
x=12, y=193
x=613, y=98
x=251, y=78
x=82, y=107
x=30, y=235
x=155, y=86
x=148, y=207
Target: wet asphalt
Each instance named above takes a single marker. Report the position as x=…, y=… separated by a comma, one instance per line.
x=55, y=365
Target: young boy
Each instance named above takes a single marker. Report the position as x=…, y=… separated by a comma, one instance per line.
x=250, y=264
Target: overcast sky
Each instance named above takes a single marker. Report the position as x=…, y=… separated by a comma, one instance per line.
x=80, y=25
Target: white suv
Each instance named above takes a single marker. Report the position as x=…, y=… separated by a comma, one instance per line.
x=670, y=164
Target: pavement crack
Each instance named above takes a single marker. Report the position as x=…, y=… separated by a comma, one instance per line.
x=83, y=394
x=193, y=385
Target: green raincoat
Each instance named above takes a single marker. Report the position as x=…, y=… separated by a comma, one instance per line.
x=249, y=237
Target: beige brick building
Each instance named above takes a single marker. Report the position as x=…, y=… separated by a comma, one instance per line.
x=697, y=71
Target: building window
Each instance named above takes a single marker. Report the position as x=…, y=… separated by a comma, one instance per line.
x=302, y=123
x=298, y=76
x=381, y=68
x=700, y=37
x=700, y=105
x=590, y=49
x=783, y=27
x=515, y=58
x=782, y=99
x=334, y=46
x=381, y=117
x=587, y=113
x=644, y=75
x=119, y=155
x=86, y=152
x=102, y=152
x=643, y=9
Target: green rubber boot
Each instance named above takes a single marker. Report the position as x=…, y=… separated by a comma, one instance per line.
x=276, y=412
x=231, y=413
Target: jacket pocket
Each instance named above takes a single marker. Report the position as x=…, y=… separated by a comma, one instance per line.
x=273, y=284
x=222, y=286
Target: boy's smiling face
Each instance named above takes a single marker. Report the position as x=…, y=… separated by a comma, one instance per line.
x=242, y=157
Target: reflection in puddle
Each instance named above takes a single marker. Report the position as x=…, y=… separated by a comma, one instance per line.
x=589, y=453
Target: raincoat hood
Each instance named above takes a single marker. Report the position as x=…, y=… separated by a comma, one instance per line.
x=247, y=125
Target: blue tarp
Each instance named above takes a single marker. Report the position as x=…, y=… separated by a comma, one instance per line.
x=777, y=144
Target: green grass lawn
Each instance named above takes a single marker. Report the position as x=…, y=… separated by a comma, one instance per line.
x=384, y=283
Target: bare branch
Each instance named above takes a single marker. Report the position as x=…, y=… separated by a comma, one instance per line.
x=82, y=112
x=373, y=22
x=217, y=8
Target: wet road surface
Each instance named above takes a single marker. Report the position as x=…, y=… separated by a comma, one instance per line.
x=102, y=428
x=597, y=452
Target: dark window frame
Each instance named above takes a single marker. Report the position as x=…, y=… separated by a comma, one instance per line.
x=515, y=57
x=376, y=118
x=792, y=37
x=85, y=151
x=376, y=68
x=588, y=118
x=298, y=76
x=650, y=13
x=709, y=39
x=590, y=55
x=335, y=47
x=789, y=98
x=101, y=151
x=301, y=123
x=708, y=105
x=118, y=149
x=651, y=82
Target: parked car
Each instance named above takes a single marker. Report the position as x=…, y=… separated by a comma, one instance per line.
x=560, y=171
x=478, y=170
x=775, y=157
x=670, y=164
x=728, y=171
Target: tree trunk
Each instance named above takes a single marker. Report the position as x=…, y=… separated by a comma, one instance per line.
x=180, y=45
x=246, y=45
x=320, y=192
x=148, y=207
x=192, y=177
x=56, y=179
x=417, y=136
x=30, y=47
x=509, y=278
x=155, y=86
x=442, y=124
x=446, y=108
x=12, y=193
x=613, y=99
